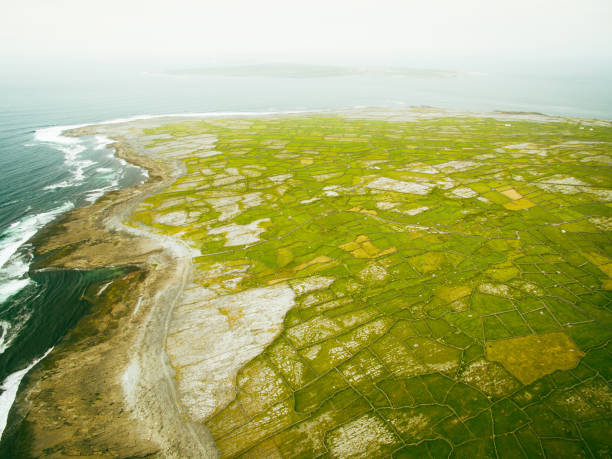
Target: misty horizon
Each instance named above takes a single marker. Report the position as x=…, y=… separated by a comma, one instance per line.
x=439, y=33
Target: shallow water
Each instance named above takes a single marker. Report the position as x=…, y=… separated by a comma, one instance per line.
x=43, y=175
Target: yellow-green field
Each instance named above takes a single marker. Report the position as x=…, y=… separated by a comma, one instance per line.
x=464, y=281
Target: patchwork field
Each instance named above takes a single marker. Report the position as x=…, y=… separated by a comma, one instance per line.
x=367, y=288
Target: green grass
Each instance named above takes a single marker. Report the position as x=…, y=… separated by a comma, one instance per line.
x=394, y=335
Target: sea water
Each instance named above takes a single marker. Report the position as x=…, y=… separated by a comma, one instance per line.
x=43, y=174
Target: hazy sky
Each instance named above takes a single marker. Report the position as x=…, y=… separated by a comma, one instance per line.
x=305, y=30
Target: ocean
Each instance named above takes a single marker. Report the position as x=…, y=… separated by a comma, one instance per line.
x=43, y=175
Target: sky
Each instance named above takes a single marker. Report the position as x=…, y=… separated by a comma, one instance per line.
x=190, y=32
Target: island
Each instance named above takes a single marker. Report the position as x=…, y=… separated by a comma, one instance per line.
x=285, y=70
x=364, y=283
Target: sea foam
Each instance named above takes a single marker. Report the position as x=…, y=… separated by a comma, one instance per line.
x=13, y=265
x=94, y=195
x=22, y=230
x=11, y=330
x=10, y=387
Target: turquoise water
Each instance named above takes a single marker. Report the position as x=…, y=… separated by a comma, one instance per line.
x=44, y=175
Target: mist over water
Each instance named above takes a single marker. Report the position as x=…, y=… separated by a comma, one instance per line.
x=43, y=175
x=576, y=87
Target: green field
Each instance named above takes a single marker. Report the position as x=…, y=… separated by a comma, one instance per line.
x=464, y=269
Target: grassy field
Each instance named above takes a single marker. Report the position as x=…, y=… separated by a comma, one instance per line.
x=460, y=281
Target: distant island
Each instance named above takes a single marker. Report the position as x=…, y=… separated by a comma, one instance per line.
x=279, y=70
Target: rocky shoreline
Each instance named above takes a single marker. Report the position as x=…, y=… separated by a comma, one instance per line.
x=117, y=396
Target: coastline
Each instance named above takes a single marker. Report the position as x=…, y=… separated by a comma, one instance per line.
x=109, y=376
x=90, y=364
x=73, y=242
